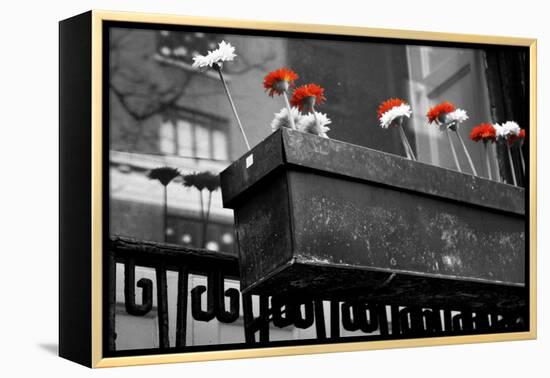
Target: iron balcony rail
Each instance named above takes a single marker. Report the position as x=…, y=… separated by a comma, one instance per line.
x=354, y=313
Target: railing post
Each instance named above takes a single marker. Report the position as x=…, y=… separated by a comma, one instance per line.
x=248, y=313
x=334, y=319
x=320, y=320
x=181, y=322
x=162, y=307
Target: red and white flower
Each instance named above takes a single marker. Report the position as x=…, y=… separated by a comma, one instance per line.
x=507, y=129
x=392, y=110
x=438, y=113
x=447, y=116
x=517, y=140
x=485, y=132
x=457, y=116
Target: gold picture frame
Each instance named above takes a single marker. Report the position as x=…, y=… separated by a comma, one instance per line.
x=95, y=20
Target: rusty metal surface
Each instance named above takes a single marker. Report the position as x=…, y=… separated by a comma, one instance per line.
x=150, y=254
x=357, y=217
x=332, y=282
x=350, y=224
x=288, y=147
x=263, y=159
x=263, y=226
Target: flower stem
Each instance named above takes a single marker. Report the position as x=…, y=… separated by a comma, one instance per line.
x=487, y=161
x=203, y=218
x=218, y=68
x=522, y=160
x=410, y=152
x=165, y=214
x=206, y=220
x=511, y=164
x=404, y=144
x=290, y=117
x=495, y=161
x=453, y=150
x=467, y=153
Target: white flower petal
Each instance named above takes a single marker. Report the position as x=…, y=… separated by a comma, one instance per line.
x=510, y=128
x=281, y=118
x=459, y=116
x=224, y=53
x=309, y=125
x=403, y=110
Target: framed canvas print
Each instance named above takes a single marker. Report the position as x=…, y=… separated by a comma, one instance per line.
x=234, y=189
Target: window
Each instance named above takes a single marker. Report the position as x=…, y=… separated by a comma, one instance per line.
x=185, y=138
x=457, y=75
x=166, y=138
x=196, y=139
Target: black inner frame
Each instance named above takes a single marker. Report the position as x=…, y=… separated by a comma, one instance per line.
x=106, y=143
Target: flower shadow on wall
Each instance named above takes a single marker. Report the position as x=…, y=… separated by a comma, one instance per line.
x=164, y=175
x=202, y=181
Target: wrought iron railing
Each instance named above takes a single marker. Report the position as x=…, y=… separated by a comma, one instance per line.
x=208, y=302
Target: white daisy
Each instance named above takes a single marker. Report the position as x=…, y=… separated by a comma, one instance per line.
x=387, y=119
x=281, y=118
x=225, y=52
x=453, y=119
x=459, y=116
x=500, y=132
x=511, y=128
x=309, y=125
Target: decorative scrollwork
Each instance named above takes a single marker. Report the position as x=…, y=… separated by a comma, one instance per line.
x=215, y=300
x=222, y=314
x=196, y=301
x=146, y=286
x=359, y=316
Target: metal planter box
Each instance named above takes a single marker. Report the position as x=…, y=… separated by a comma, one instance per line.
x=327, y=219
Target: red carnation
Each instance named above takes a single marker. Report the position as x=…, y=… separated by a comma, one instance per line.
x=484, y=131
x=306, y=96
x=435, y=113
x=388, y=104
x=278, y=81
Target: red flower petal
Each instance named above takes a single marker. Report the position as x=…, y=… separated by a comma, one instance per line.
x=484, y=131
x=440, y=109
x=388, y=104
x=301, y=94
x=275, y=77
